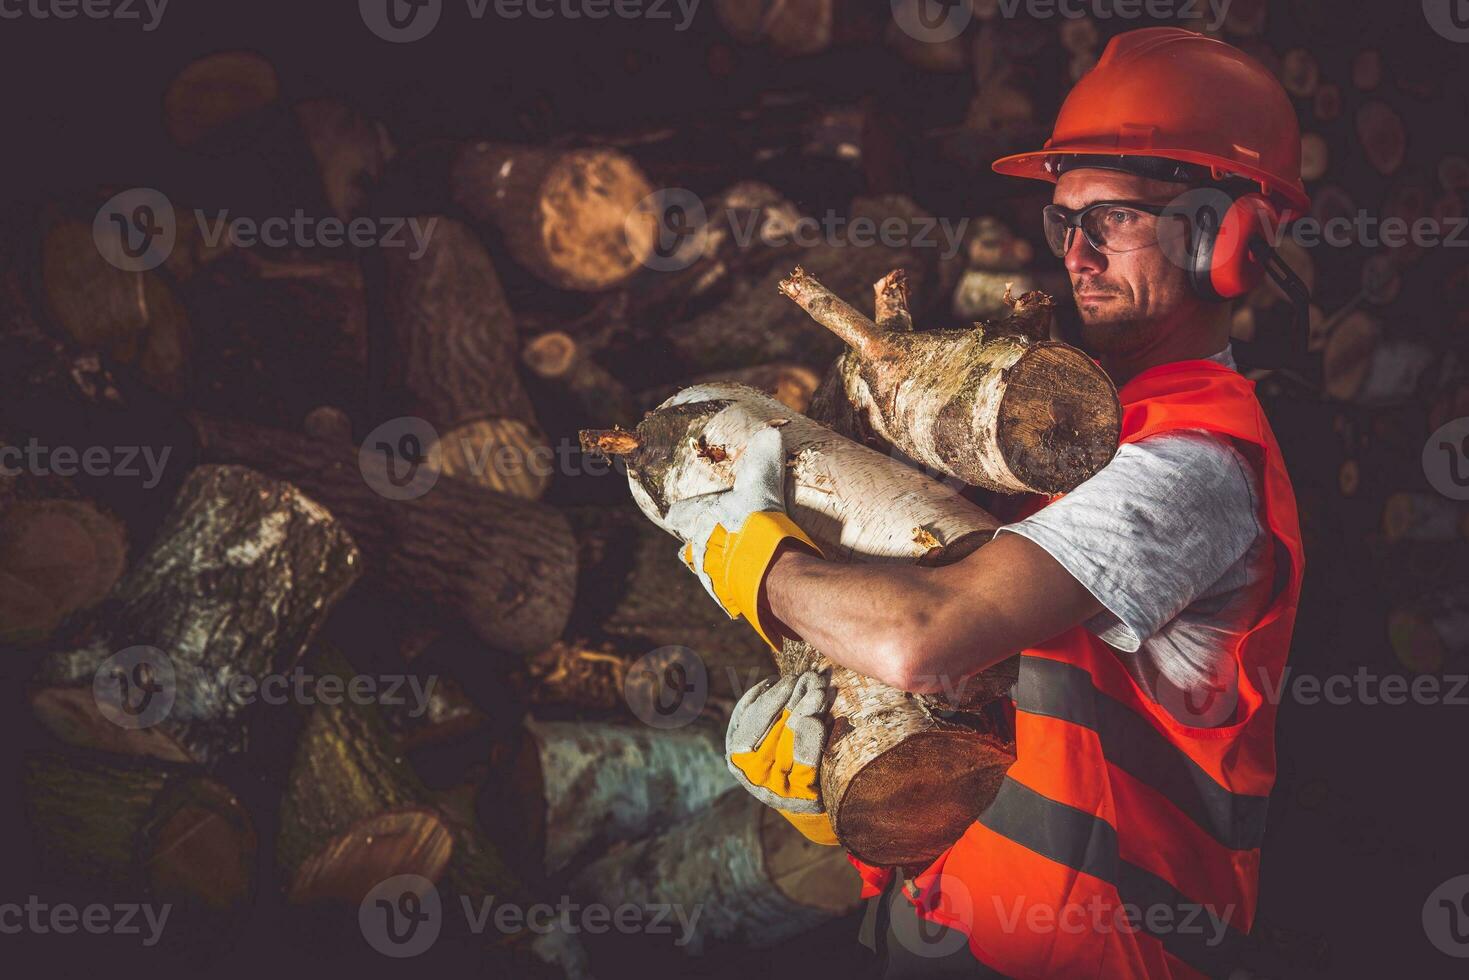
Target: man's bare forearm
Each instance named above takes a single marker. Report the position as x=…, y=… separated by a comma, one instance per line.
x=870, y=618
x=925, y=629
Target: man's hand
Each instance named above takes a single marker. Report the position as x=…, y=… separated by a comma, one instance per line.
x=731, y=536
x=773, y=747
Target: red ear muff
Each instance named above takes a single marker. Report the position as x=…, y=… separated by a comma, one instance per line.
x=1224, y=266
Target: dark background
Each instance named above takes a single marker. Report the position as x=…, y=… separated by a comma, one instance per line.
x=1368, y=816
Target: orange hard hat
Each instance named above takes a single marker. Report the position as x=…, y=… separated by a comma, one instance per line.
x=1179, y=95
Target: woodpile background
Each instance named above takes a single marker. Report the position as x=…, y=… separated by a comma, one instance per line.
x=368, y=461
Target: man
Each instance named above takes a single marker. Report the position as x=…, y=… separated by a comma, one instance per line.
x=1152, y=606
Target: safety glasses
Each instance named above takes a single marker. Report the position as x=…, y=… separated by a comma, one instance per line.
x=1109, y=226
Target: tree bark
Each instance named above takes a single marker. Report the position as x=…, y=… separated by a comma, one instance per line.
x=236, y=586
x=900, y=780
x=755, y=878
x=999, y=406
x=570, y=217
x=579, y=787
x=151, y=833
x=456, y=343
x=507, y=567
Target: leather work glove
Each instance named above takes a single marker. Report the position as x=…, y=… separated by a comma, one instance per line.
x=730, y=536
x=773, y=747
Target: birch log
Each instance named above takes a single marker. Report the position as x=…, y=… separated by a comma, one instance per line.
x=900, y=780
x=998, y=406
x=753, y=879
x=583, y=786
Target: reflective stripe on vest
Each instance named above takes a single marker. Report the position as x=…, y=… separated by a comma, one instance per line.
x=1123, y=842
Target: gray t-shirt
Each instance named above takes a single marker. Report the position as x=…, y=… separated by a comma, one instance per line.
x=1168, y=536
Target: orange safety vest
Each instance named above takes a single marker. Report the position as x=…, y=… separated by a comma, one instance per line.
x=1122, y=842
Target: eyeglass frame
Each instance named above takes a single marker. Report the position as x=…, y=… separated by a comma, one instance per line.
x=1074, y=217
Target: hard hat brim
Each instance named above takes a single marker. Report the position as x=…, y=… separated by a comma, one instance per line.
x=1032, y=165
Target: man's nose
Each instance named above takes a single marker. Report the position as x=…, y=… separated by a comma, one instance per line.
x=1081, y=257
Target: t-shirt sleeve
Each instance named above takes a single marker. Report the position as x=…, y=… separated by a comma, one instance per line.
x=1151, y=530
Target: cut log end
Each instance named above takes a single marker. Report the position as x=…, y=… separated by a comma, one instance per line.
x=505, y=455
x=72, y=714
x=205, y=851
x=351, y=864
x=1061, y=420
x=953, y=771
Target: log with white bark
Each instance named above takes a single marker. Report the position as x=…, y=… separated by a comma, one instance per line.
x=900, y=780
x=235, y=587
x=999, y=406
x=750, y=876
x=579, y=787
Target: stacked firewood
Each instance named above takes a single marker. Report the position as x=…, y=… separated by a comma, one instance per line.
x=372, y=461
x=358, y=462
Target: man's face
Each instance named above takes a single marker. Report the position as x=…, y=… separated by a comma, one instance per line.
x=1126, y=299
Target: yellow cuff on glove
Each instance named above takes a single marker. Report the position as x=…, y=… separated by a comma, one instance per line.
x=736, y=562
x=815, y=826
